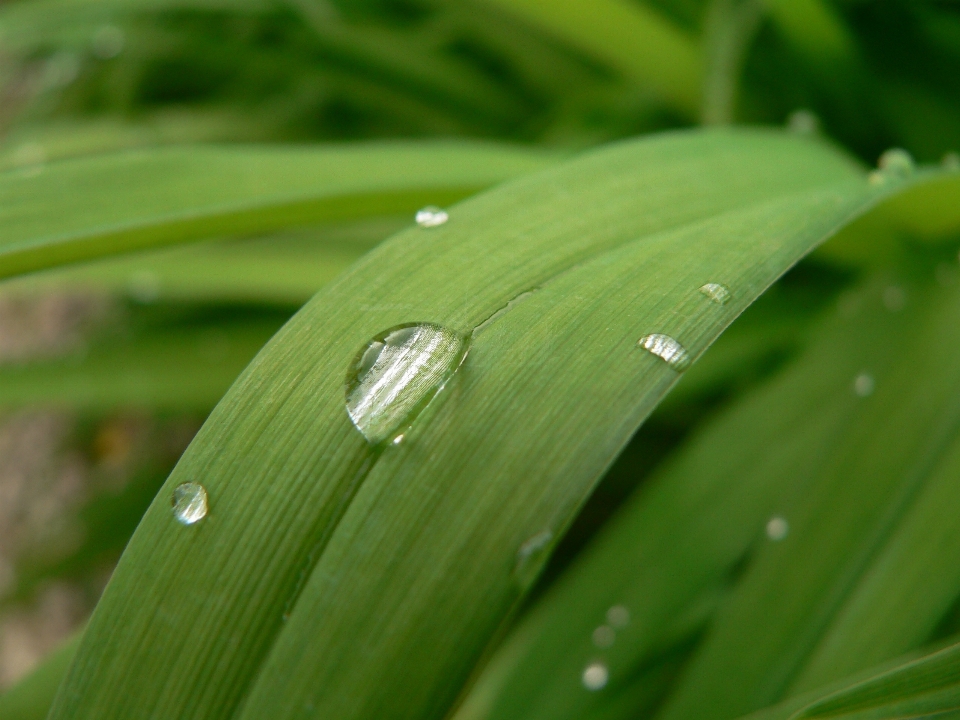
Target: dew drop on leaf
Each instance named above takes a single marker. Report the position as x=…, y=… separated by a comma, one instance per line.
x=431, y=216
x=894, y=164
x=777, y=528
x=595, y=676
x=189, y=503
x=396, y=374
x=531, y=557
x=716, y=292
x=803, y=122
x=863, y=384
x=604, y=636
x=618, y=616
x=667, y=349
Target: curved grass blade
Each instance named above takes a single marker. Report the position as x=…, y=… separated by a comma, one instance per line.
x=338, y=579
x=684, y=535
x=808, y=610
x=928, y=686
x=140, y=199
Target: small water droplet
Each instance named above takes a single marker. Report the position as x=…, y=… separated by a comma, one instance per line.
x=863, y=385
x=397, y=373
x=595, y=676
x=618, y=616
x=431, y=216
x=531, y=557
x=716, y=292
x=803, y=122
x=894, y=298
x=398, y=439
x=777, y=528
x=189, y=503
x=894, y=164
x=604, y=636
x=667, y=349
x=950, y=161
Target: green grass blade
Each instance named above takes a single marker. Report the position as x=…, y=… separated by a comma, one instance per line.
x=632, y=37
x=341, y=579
x=807, y=610
x=683, y=535
x=134, y=200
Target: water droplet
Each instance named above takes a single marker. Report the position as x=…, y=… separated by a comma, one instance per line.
x=894, y=298
x=618, y=616
x=716, y=292
x=595, y=676
x=431, y=216
x=604, y=636
x=531, y=557
x=894, y=164
x=108, y=42
x=803, y=122
x=397, y=373
x=950, y=161
x=777, y=528
x=398, y=439
x=863, y=385
x=189, y=503
x=667, y=349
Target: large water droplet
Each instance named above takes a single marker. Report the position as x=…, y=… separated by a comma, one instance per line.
x=894, y=164
x=595, y=676
x=397, y=373
x=604, y=636
x=777, y=528
x=803, y=122
x=531, y=557
x=667, y=349
x=716, y=292
x=863, y=384
x=618, y=616
x=189, y=503
x=431, y=216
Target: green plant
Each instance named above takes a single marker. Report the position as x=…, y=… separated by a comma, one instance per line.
x=427, y=496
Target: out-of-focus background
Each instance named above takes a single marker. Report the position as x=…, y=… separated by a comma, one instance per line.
x=107, y=369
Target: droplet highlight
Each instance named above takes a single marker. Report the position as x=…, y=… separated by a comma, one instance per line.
x=863, y=385
x=431, y=216
x=803, y=122
x=618, y=616
x=716, y=293
x=189, y=502
x=595, y=676
x=396, y=375
x=894, y=164
x=667, y=349
x=777, y=528
x=531, y=557
x=604, y=636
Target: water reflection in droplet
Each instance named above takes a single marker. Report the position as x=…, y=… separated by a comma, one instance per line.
x=863, y=384
x=716, y=292
x=189, y=502
x=667, y=349
x=604, y=636
x=595, y=676
x=431, y=216
x=777, y=528
x=396, y=374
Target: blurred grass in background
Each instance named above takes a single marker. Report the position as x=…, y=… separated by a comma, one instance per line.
x=108, y=367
